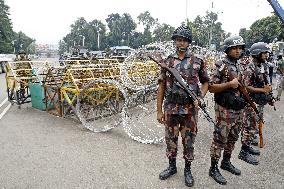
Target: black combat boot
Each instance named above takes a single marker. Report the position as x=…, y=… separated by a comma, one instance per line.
x=246, y=156
x=215, y=173
x=254, y=142
x=171, y=170
x=189, y=181
x=253, y=151
x=227, y=165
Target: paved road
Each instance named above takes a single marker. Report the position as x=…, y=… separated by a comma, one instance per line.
x=2, y=87
x=39, y=150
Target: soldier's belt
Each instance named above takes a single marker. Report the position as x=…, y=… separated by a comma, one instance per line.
x=176, y=98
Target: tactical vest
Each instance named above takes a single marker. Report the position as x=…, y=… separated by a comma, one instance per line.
x=259, y=79
x=173, y=94
x=228, y=98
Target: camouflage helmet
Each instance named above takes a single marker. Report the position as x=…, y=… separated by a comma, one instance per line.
x=258, y=48
x=182, y=31
x=21, y=52
x=233, y=41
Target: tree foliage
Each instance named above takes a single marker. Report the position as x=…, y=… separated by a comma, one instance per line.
x=147, y=20
x=266, y=30
x=6, y=31
x=10, y=40
x=163, y=32
x=207, y=30
x=23, y=42
x=122, y=30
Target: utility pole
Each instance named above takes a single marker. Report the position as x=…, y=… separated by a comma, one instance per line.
x=186, y=5
x=211, y=28
x=13, y=42
x=98, y=33
x=83, y=42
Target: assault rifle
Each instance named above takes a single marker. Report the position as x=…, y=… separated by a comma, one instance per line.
x=186, y=87
x=270, y=94
x=242, y=89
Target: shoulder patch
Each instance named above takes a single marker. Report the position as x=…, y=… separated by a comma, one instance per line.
x=197, y=59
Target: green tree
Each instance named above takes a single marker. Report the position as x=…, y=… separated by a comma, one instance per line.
x=163, y=32
x=63, y=48
x=265, y=30
x=6, y=31
x=207, y=30
x=121, y=28
x=96, y=35
x=114, y=37
x=23, y=42
x=147, y=20
x=31, y=48
x=74, y=39
x=78, y=30
x=129, y=26
x=198, y=31
x=214, y=28
x=149, y=23
x=136, y=39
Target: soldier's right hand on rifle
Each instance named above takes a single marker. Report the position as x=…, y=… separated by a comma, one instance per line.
x=161, y=117
x=267, y=88
x=234, y=83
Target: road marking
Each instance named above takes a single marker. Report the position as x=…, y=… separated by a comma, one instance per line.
x=3, y=102
x=5, y=110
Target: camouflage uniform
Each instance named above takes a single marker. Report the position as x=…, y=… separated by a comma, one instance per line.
x=280, y=78
x=249, y=125
x=180, y=113
x=253, y=76
x=228, y=121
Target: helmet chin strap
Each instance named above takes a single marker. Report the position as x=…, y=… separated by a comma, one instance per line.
x=232, y=58
x=260, y=59
x=182, y=49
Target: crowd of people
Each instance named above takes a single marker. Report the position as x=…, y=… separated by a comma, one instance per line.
x=242, y=86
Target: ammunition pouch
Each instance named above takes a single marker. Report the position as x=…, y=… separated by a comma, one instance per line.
x=261, y=98
x=227, y=99
x=176, y=98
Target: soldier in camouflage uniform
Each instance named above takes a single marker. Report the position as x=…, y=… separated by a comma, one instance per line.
x=180, y=112
x=280, y=76
x=229, y=105
x=249, y=125
x=256, y=79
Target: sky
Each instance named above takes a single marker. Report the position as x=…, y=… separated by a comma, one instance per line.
x=48, y=21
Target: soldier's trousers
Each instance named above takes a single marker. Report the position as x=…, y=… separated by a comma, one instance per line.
x=226, y=131
x=249, y=126
x=186, y=124
x=260, y=109
x=280, y=85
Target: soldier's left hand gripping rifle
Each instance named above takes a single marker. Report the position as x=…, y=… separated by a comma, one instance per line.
x=186, y=87
x=272, y=99
x=242, y=89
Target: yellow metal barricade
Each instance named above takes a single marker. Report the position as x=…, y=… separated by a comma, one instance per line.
x=52, y=88
x=18, y=76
